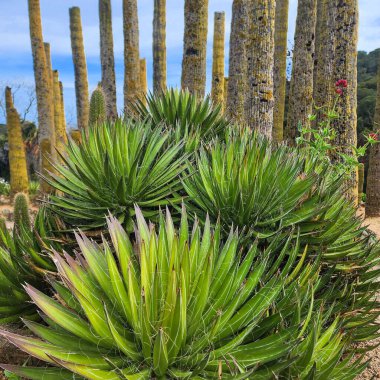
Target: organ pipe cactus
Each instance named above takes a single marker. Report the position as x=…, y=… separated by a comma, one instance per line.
x=17, y=156
x=80, y=67
x=159, y=46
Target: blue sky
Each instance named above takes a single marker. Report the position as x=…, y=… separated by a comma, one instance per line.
x=15, y=51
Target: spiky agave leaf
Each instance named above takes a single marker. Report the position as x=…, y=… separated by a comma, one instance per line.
x=116, y=166
x=174, y=304
x=192, y=119
x=24, y=258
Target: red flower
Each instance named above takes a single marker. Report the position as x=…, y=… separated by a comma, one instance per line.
x=339, y=91
x=341, y=83
x=374, y=136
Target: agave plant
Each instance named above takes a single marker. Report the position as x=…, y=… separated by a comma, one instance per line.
x=193, y=120
x=279, y=192
x=175, y=305
x=116, y=166
x=24, y=258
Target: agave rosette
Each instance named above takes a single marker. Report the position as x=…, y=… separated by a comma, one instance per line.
x=178, y=305
x=116, y=166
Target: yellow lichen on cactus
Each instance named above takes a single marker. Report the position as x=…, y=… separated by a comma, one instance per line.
x=45, y=152
x=217, y=88
x=17, y=157
x=80, y=68
x=143, y=80
x=76, y=136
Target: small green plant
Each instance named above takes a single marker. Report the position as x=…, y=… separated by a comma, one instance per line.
x=21, y=212
x=320, y=139
x=34, y=187
x=97, y=107
x=3, y=225
x=5, y=187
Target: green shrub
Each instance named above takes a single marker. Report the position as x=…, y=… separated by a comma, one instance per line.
x=171, y=304
x=116, y=166
x=5, y=187
x=21, y=211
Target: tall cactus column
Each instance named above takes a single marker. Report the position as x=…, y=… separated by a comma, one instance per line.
x=60, y=128
x=159, y=46
x=217, y=89
x=107, y=57
x=345, y=67
x=132, y=86
x=280, y=54
x=238, y=67
x=43, y=89
x=195, y=47
x=143, y=80
x=80, y=68
x=50, y=71
x=17, y=157
x=301, y=86
x=260, y=101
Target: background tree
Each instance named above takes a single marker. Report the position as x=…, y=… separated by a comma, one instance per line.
x=217, y=88
x=260, y=101
x=80, y=68
x=345, y=68
x=107, y=57
x=238, y=68
x=373, y=179
x=195, y=47
x=132, y=86
x=301, y=85
x=159, y=46
x=279, y=75
x=17, y=158
x=43, y=89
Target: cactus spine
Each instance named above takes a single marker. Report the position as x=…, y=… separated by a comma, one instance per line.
x=143, y=80
x=345, y=67
x=43, y=89
x=301, y=85
x=159, y=46
x=279, y=75
x=60, y=128
x=107, y=57
x=17, y=158
x=217, y=89
x=97, y=107
x=21, y=212
x=260, y=101
x=238, y=67
x=80, y=67
x=195, y=47
x=132, y=86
